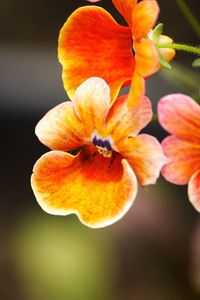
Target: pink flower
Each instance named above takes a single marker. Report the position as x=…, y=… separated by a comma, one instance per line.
x=180, y=115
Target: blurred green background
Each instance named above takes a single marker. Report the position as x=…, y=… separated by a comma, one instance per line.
x=153, y=253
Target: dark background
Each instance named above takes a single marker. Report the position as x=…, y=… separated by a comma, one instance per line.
x=153, y=253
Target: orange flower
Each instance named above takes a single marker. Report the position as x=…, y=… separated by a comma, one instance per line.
x=91, y=43
x=99, y=183
x=180, y=115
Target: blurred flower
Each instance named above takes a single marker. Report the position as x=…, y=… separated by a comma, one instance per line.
x=180, y=115
x=99, y=183
x=91, y=43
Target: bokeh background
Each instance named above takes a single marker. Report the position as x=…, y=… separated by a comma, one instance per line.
x=153, y=253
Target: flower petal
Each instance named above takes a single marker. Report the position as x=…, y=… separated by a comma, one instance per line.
x=144, y=17
x=125, y=8
x=145, y=156
x=91, y=44
x=60, y=128
x=147, y=57
x=99, y=190
x=194, y=190
x=185, y=160
x=123, y=121
x=137, y=91
x=91, y=103
x=180, y=115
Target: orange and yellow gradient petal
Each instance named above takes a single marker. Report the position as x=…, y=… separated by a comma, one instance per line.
x=91, y=43
x=194, y=190
x=98, y=190
x=145, y=155
x=137, y=91
x=60, y=128
x=70, y=125
x=185, y=159
x=146, y=63
x=147, y=57
x=126, y=9
x=91, y=104
x=123, y=121
x=144, y=17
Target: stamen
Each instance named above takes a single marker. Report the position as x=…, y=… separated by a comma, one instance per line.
x=101, y=143
x=107, y=145
x=106, y=153
x=103, y=146
x=94, y=140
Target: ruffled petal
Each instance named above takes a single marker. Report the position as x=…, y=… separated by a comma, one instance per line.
x=91, y=103
x=147, y=57
x=60, y=128
x=145, y=156
x=144, y=17
x=91, y=44
x=185, y=160
x=123, y=121
x=194, y=190
x=180, y=115
x=125, y=8
x=98, y=190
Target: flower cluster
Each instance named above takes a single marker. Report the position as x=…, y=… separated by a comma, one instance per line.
x=98, y=180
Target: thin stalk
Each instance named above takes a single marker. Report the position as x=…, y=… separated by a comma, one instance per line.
x=189, y=16
x=182, y=47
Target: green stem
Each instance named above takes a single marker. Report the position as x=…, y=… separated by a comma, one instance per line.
x=182, y=47
x=189, y=16
x=154, y=118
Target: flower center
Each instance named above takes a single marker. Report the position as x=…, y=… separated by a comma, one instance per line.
x=103, y=146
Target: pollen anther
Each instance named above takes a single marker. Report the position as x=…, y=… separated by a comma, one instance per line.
x=106, y=153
